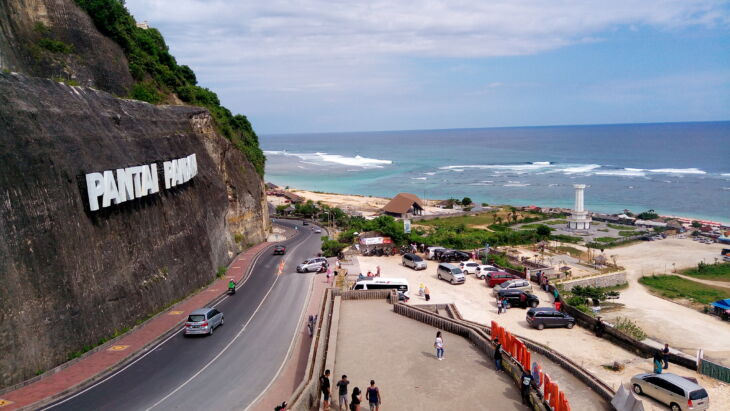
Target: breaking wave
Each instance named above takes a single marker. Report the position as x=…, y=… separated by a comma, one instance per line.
x=320, y=158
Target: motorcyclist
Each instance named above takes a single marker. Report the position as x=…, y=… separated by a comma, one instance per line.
x=231, y=286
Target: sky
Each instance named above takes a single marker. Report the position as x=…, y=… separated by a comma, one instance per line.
x=320, y=66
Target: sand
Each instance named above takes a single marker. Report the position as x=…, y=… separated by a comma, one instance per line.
x=367, y=205
x=475, y=301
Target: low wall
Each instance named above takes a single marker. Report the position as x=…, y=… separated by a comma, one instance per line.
x=606, y=280
x=622, y=340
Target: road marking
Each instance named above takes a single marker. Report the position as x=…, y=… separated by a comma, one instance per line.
x=175, y=312
x=5, y=402
x=233, y=340
x=117, y=348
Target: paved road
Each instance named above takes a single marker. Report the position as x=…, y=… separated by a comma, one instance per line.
x=229, y=369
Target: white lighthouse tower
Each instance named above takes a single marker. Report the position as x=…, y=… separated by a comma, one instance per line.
x=579, y=218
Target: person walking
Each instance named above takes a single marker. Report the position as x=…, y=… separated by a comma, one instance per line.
x=657, y=362
x=525, y=383
x=356, y=399
x=497, y=355
x=373, y=396
x=665, y=356
x=600, y=327
x=420, y=290
x=427, y=293
x=324, y=386
x=439, y=346
x=342, y=391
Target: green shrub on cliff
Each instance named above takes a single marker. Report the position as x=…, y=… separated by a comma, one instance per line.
x=157, y=74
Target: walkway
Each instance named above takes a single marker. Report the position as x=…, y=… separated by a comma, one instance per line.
x=373, y=342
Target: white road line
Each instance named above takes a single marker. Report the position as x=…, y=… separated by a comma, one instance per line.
x=151, y=350
x=227, y=345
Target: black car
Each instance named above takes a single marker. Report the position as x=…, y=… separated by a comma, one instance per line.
x=305, y=223
x=548, y=317
x=279, y=249
x=519, y=298
x=454, y=255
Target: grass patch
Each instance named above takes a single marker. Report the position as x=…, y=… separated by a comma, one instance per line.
x=672, y=286
x=606, y=239
x=55, y=46
x=479, y=219
x=571, y=251
x=603, y=230
x=628, y=233
x=718, y=272
x=530, y=226
x=66, y=81
x=556, y=222
x=564, y=238
x=620, y=226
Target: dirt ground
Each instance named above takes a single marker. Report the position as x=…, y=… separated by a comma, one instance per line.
x=475, y=302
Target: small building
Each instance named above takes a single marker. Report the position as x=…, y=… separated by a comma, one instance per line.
x=293, y=198
x=144, y=25
x=650, y=223
x=404, y=205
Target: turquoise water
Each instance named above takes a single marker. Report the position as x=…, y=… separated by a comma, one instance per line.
x=674, y=168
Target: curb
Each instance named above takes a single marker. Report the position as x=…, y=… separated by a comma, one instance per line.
x=129, y=359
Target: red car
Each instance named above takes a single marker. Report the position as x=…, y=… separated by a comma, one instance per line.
x=498, y=277
x=279, y=249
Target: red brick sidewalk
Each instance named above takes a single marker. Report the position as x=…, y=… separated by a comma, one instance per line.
x=293, y=372
x=116, y=353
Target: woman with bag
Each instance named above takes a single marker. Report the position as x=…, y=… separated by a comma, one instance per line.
x=356, y=399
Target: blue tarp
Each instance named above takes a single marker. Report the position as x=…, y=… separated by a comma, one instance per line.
x=723, y=304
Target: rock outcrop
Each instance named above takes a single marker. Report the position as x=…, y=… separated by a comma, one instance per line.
x=56, y=39
x=70, y=276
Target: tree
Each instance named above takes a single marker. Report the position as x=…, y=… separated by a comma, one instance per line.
x=543, y=231
x=648, y=215
x=466, y=201
x=696, y=224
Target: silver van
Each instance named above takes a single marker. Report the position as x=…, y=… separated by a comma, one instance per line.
x=413, y=261
x=450, y=273
x=203, y=321
x=678, y=392
x=312, y=264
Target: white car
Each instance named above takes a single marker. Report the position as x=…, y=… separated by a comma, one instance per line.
x=484, y=269
x=469, y=267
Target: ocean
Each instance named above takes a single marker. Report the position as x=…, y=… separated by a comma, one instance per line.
x=674, y=168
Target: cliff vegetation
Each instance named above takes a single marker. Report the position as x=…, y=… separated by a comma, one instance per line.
x=158, y=76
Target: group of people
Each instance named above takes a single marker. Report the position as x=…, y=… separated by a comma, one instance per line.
x=423, y=291
x=661, y=359
x=348, y=401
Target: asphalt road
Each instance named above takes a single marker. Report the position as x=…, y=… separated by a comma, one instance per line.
x=225, y=371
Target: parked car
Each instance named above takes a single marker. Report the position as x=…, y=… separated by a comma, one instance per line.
x=548, y=317
x=279, y=249
x=203, y=321
x=495, y=278
x=431, y=252
x=519, y=298
x=671, y=389
x=413, y=261
x=312, y=264
x=485, y=269
x=516, y=284
x=469, y=267
x=305, y=222
x=450, y=273
x=454, y=255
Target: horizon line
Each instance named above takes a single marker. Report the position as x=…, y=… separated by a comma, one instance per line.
x=493, y=127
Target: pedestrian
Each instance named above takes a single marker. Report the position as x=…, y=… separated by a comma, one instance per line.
x=329, y=274
x=420, y=290
x=665, y=356
x=356, y=399
x=427, y=293
x=378, y=271
x=324, y=386
x=439, y=346
x=499, y=306
x=342, y=391
x=600, y=327
x=373, y=396
x=497, y=354
x=526, y=382
x=657, y=362
x=556, y=296
x=423, y=248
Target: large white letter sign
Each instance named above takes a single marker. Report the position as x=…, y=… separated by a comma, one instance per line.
x=137, y=181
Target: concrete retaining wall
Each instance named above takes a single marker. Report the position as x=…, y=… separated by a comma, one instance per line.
x=607, y=280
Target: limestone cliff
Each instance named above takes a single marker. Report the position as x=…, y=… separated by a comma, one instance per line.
x=70, y=276
x=56, y=39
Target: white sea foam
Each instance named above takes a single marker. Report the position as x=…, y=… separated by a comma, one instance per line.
x=510, y=167
x=725, y=174
x=625, y=172
x=430, y=174
x=514, y=185
x=419, y=178
x=678, y=171
x=320, y=158
x=586, y=168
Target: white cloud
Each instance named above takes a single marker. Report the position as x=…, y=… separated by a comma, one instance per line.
x=327, y=49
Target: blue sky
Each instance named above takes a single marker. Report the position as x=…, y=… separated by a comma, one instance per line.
x=313, y=65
